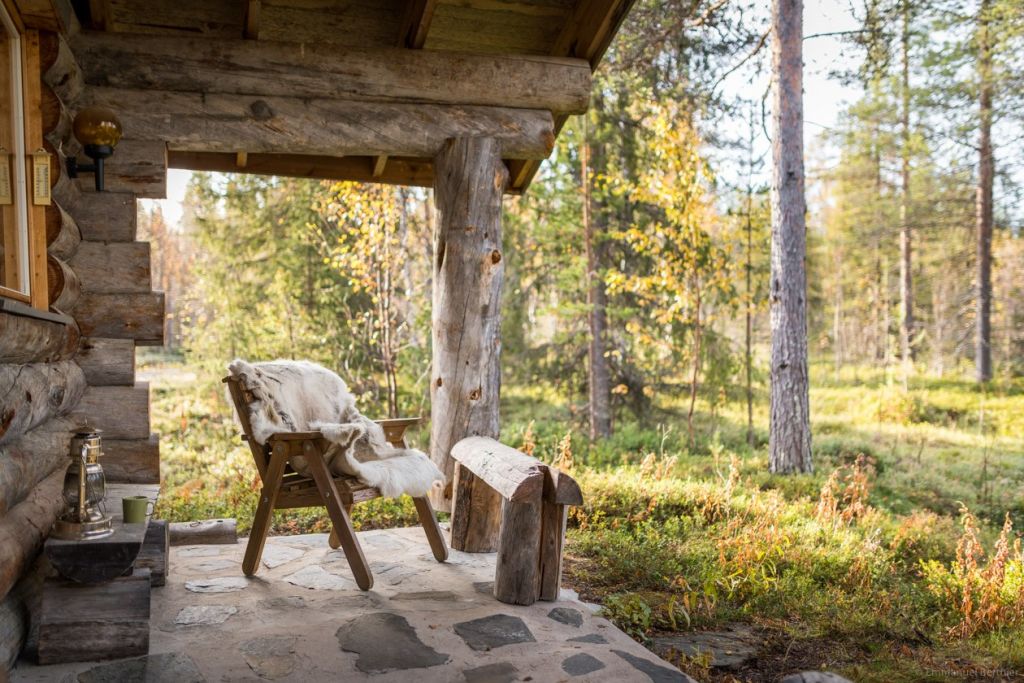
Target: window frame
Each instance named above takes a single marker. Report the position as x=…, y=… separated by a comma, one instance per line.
x=31, y=218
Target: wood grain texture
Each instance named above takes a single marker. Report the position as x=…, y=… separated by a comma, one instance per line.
x=113, y=267
x=132, y=461
x=105, y=217
x=514, y=475
x=137, y=166
x=398, y=170
x=107, y=362
x=63, y=284
x=97, y=560
x=517, y=572
x=476, y=513
x=265, y=125
x=16, y=611
x=468, y=273
x=27, y=340
x=138, y=316
x=32, y=394
x=62, y=233
x=90, y=623
x=24, y=527
x=60, y=68
x=31, y=459
x=204, y=532
x=156, y=552
x=319, y=71
x=121, y=412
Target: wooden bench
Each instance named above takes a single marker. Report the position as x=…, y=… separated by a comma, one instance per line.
x=535, y=500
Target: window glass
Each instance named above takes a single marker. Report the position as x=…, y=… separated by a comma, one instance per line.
x=13, y=187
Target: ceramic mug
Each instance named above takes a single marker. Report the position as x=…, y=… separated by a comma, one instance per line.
x=136, y=509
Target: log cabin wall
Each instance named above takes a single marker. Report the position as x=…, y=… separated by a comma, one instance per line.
x=77, y=368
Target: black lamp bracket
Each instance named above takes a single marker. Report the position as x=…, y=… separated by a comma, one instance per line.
x=97, y=153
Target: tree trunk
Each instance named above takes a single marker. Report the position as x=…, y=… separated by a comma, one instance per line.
x=906, y=237
x=789, y=440
x=749, y=331
x=468, y=274
x=983, y=206
x=597, y=364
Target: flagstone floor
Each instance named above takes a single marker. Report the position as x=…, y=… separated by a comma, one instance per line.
x=302, y=618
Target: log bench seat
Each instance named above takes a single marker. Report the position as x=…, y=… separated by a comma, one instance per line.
x=534, y=506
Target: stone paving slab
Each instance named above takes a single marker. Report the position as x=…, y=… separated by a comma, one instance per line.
x=423, y=621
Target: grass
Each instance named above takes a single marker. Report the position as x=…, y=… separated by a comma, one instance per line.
x=881, y=576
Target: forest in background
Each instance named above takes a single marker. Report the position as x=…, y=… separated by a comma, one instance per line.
x=663, y=253
x=636, y=329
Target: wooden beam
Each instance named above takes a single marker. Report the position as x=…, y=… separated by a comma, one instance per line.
x=138, y=316
x=107, y=362
x=226, y=123
x=315, y=71
x=379, y=164
x=113, y=267
x=399, y=170
x=252, y=19
x=416, y=23
x=121, y=412
x=28, y=339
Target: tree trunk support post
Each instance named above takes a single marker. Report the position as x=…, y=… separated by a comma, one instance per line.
x=469, y=182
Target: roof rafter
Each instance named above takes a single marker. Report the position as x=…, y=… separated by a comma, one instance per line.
x=416, y=23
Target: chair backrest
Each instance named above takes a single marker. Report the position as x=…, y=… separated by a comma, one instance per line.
x=242, y=397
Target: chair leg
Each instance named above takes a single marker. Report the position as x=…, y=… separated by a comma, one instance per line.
x=339, y=518
x=333, y=539
x=428, y=520
x=264, y=511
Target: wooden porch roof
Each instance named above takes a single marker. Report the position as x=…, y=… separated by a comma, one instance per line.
x=508, y=68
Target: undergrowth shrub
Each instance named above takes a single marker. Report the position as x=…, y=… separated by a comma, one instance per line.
x=985, y=594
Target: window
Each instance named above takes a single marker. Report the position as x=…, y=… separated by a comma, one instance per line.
x=23, y=159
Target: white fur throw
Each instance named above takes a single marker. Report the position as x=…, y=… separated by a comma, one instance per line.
x=299, y=396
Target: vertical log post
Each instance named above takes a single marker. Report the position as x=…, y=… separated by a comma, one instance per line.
x=469, y=181
x=517, y=574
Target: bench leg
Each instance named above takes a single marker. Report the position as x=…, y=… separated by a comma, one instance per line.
x=428, y=520
x=264, y=511
x=339, y=518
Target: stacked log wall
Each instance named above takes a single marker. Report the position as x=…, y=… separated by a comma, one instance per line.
x=75, y=367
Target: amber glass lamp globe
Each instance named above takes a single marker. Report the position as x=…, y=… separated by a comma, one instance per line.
x=97, y=126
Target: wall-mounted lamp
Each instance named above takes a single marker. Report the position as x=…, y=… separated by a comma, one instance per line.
x=99, y=131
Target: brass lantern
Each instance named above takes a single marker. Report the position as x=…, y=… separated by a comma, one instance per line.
x=84, y=490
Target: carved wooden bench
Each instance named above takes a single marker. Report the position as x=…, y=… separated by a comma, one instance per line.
x=535, y=500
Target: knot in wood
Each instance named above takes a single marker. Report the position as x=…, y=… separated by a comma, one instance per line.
x=475, y=394
x=261, y=111
x=495, y=256
x=439, y=381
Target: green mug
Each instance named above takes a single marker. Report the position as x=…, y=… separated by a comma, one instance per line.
x=136, y=509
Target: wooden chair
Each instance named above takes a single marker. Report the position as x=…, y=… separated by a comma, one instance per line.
x=284, y=488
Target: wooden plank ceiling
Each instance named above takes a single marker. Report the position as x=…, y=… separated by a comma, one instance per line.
x=579, y=29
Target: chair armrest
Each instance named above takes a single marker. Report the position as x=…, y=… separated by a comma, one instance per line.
x=399, y=421
x=295, y=436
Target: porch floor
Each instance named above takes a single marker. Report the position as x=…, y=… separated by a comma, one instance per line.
x=303, y=619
